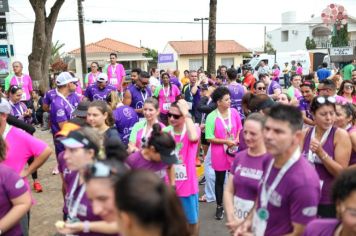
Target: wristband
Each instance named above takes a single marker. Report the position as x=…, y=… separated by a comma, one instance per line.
x=326, y=156
x=86, y=227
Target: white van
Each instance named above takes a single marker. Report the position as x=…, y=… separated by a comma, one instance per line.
x=282, y=57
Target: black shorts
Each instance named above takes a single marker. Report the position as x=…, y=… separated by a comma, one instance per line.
x=203, y=141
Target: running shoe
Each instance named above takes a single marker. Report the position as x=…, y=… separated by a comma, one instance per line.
x=37, y=187
x=219, y=215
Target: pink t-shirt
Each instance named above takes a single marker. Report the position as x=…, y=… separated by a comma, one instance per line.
x=188, y=153
x=167, y=96
x=214, y=128
x=25, y=82
x=21, y=146
x=137, y=131
x=115, y=76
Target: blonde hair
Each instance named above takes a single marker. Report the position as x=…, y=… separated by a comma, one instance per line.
x=113, y=99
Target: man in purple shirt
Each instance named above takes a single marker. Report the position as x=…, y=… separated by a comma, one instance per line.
x=289, y=192
x=273, y=88
x=237, y=91
x=100, y=90
x=136, y=94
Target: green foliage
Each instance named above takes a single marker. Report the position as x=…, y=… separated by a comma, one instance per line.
x=153, y=53
x=340, y=37
x=55, y=54
x=269, y=48
x=310, y=43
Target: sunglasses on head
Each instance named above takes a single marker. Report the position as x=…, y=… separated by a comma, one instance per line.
x=98, y=170
x=348, y=86
x=323, y=100
x=176, y=117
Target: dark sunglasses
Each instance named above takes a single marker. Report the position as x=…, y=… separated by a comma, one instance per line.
x=261, y=88
x=176, y=117
x=348, y=86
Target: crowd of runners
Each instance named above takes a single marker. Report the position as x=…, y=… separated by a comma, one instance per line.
x=277, y=161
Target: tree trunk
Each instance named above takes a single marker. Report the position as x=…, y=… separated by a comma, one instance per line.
x=42, y=42
x=212, y=38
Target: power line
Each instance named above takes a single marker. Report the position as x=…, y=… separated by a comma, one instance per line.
x=99, y=21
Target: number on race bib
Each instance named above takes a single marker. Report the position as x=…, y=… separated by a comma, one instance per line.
x=166, y=106
x=180, y=172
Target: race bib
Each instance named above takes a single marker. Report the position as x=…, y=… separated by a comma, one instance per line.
x=190, y=105
x=181, y=172
x=242, y=207
x=113, y=81
x=259, y=225
x=166, y=106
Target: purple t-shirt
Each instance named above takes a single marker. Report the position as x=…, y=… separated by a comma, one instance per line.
x=321, y=227
x=236, y=93
x=93, y=92
x=18, y=110
x=49, y=96
x=174, y=80
x=273, y=86
x=61, y=110
x=138, y=97
x=353, y=153
x=304, y=105
x=11, y=187
x=68, y=175
x=125, y=118
x=137, y=161
x=295, y=199
x=74, y=99
x=248, y=171
x=325, y=176
x=85, y=210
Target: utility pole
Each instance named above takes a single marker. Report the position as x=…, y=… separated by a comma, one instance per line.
x=202, y=37
x=82, y=39
x=264, y=40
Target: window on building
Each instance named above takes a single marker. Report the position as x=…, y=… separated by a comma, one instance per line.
x=284, y=36
x=227, y=62
x=3, y=34
x=195, y=64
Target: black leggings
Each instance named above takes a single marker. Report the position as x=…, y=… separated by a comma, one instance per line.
x=34, y=174
x=219, y=186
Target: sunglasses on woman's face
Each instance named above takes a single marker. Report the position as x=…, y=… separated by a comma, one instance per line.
x=176, y=117
x=348, y=86
x=261, y=88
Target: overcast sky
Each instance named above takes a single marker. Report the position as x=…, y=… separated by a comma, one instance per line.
x=156, y=35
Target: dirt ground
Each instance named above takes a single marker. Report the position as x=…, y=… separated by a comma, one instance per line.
x=48, y=207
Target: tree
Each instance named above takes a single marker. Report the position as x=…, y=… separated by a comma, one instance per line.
x=55, y=54
x=340, y=37
x=39, y=59
x=212, y=37
x=307, y=43
x=153, y=53
x=269, y=48
x=310, y=43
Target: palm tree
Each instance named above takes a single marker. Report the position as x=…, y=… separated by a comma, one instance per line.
x=212, y=37
x=55, y=55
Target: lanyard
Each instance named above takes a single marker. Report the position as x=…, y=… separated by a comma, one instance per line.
x=73, y=208
x=311, y=155
x=265, y=195
x=113, y=69
x=17, y=110
x=190, y=91
x=95, y=76
x=226, y=127
x=179, y=145
x=19, y=83
x=166, y=95
x=65, y=100
x=144, y=131
x=144, y=97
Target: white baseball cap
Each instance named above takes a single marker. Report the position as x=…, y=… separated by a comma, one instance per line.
x=65, y=78
x=5, y=106
x=102, y=77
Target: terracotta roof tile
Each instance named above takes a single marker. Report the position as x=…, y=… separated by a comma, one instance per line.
x=109, y=45
x=194, y=47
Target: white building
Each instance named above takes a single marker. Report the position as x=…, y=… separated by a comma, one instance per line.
x=291, y=36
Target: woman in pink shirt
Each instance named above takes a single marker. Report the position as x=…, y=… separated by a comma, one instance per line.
x=166, y=94
x=347, y=90
x=22, y=80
